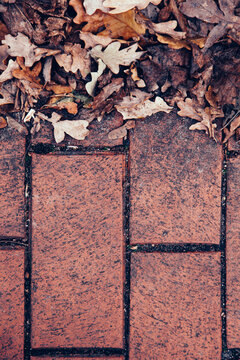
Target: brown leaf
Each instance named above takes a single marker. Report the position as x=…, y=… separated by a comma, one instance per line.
x=209, y=12
x=107, y=91
x=120, y=25
x=63, y=103
x=3, y=122
x=59, y=89
x=25, y=73
x=233, y=127
x=12, y=123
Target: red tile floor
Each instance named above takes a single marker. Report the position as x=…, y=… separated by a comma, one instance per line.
x=120, y=250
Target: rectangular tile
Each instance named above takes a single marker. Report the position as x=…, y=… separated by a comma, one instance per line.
x=77, y=294
x=175, y=306
x=11, y=304
x=12, y=148
x=175, y=183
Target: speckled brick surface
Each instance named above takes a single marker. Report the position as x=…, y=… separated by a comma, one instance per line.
x=175, y=183
x=175, y=307
x=97, y=137
x=233, y=254
x=77, y=358
x=12, y=147
x=11, y=304
x=77, y=294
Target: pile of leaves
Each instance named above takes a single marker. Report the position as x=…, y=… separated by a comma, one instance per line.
x=70, y=62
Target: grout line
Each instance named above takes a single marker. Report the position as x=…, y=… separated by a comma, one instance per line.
x=84, y=351
x=27, y=269
x=231, y=354
x=175, y=247
x=223, y=251
x=126, y=218
x=12, y=243
x=44, y=149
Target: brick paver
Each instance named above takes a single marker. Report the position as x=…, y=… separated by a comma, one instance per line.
x=12, y=148
x=233, y=254
x=175, y=307
x=175, y=183
x=77, y=358
x=77, y=251
x=11, y=304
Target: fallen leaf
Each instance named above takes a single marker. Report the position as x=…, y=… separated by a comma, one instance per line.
x=63, y=103
x=12, y=123
x=3, y=122
x=113, y=57
x=121, y=132
x=209, y=12
x=122, y=25
x=8, y=73
x=92, y=6
x=107, y=91
x=92, y=40
x=75, y=58
x=140, y=111
x=25, y=73
x=21, y=46
x=77, y=129
x=125, y=5
x=47, y=67
x=90, y=86
x=59, y=89
x=233, y=127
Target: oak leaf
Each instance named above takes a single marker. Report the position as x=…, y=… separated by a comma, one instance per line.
x=22, y=46
x=209, y=12
x=3, y=122
x=131, y=109
x=113, y=57
x=91, y=6
x=122, y=25
x=125, y=5
x=90, y=86
x=77, y=129
x=121, y=132
x=7, y=74
x=75, y=58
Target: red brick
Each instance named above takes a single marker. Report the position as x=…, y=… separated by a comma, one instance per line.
x=233, y=253
x=175, y=306
x=77, y=358
x=77, y=251
x=98, y=135
x=11, y=304
x=176, y=183
x=12, y=147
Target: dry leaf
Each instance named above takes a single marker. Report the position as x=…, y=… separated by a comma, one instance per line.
x=113, y=57
x=122, y=25
x=91, y=6
x=90, y=86
x=107, y=91
x=167, y=28
x=63, y=103
x=12, y=123
x=77, y=129
x=47, y=69
x=59, y=89
x=8, y=73
x=21, y=46
x=75, y=58
x=233, y=127
x=209, y=12
x=92, y=40
x=125, y=5
x=3, y=122
x=121, y=132
x=140, y=111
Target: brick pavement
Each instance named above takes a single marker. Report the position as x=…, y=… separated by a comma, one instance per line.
x=120, y=250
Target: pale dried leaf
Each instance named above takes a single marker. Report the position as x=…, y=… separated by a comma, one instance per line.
x=75, y=58
x=113, y=57
x=91, y=6
x=22, y=46
x=140, y=111
x=121, y=132
x=125, y=5
x=187, y=109
x=7, y=74
x=47, y=67
x=29, y=116
x=77, y=129
x=92, y=40
x=90, y=86
x=167, y=28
